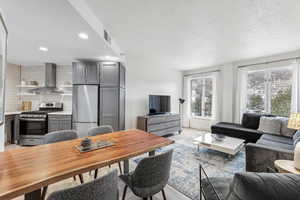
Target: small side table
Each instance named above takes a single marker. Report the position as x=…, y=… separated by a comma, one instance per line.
x=286, y=166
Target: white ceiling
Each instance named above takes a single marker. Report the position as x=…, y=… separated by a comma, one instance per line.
x=170, y=33
x=186, y=34
x=53, y=24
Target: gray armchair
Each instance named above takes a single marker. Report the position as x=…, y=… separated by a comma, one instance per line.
x=100, y=130
x=150, y=176
x=105, y=188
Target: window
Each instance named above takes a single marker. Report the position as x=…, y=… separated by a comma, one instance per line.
x=201, y=97
x=270, y=91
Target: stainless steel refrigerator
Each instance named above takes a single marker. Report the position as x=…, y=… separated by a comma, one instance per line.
x=85, y=108
x=98, y=96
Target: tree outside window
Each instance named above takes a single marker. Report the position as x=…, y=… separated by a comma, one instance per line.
x=270, y=91
x=202, y=97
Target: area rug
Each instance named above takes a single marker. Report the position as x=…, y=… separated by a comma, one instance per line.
x=185, y=164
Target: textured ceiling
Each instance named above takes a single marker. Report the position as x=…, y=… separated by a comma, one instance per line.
x=185, y=34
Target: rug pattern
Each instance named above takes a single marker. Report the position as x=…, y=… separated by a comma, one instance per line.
x=184, y=175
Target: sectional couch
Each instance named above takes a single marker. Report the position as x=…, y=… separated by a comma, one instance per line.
x=263, y=147
x=252, y=186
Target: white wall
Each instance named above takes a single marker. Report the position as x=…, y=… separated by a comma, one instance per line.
x=143, y=79
x=13, y=77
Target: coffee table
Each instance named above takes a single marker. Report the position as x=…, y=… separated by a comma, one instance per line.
x=228, y=145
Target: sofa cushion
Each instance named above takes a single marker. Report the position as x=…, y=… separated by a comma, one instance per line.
x=285, y=131
x=277, y=138
x=262, y=186
x=275, y=144
x=270, y=125
x=251, y=120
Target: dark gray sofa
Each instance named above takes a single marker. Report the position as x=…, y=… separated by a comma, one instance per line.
x=260, y=156
x=262, y=148
x=253, y=186
x=247, y=130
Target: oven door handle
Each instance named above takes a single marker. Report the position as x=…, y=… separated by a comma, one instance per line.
x=31, y=119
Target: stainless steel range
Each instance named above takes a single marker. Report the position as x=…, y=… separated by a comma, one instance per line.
x=34, y=124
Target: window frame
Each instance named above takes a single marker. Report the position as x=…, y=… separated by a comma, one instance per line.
x=268, y=86
x=212, y=77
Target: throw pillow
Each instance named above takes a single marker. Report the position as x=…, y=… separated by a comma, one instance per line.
x=251, y=120
x=285, y=131
x=270, y=125
x=296, y=138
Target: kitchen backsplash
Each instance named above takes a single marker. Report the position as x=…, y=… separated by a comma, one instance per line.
x=37, y=73
x=13, y=77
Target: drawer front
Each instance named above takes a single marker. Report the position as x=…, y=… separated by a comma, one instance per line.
x=160, y=126
x=60, y=117
x=166, y=131
x=62, y=124
x=160, y=119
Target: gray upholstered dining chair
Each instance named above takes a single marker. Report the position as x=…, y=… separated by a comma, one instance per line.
x=60, y=136
x=150, y=176
x=100, y=130
x=104, y=188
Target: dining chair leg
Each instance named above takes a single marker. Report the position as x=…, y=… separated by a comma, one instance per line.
x=96, y=174
x=145, y=198
x=163, y=193
x=120, y=167
x=124, y=192
x=44, y=192
x=151, y=198
x=81, y=178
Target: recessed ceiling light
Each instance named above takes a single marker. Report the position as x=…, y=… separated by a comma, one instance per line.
x=43, y=49
x=83, y=36
x=109, y=58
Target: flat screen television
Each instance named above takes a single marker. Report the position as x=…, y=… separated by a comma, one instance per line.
x=159, y=104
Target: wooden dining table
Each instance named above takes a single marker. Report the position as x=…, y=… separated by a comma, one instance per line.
x=24, y=171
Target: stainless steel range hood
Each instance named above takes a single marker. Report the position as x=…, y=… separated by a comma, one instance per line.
x=50, y=80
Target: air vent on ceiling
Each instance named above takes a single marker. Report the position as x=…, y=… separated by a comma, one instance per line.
x=107, y=37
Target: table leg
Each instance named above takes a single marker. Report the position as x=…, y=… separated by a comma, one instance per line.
x=152, y=153
x=126, y=166
x=34, y=195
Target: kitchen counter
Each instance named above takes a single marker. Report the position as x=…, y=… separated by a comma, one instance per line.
x=13, y=113
x=61, y=113
x=52, y=113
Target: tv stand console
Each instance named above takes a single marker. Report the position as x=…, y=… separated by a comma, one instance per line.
x=163, y=124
